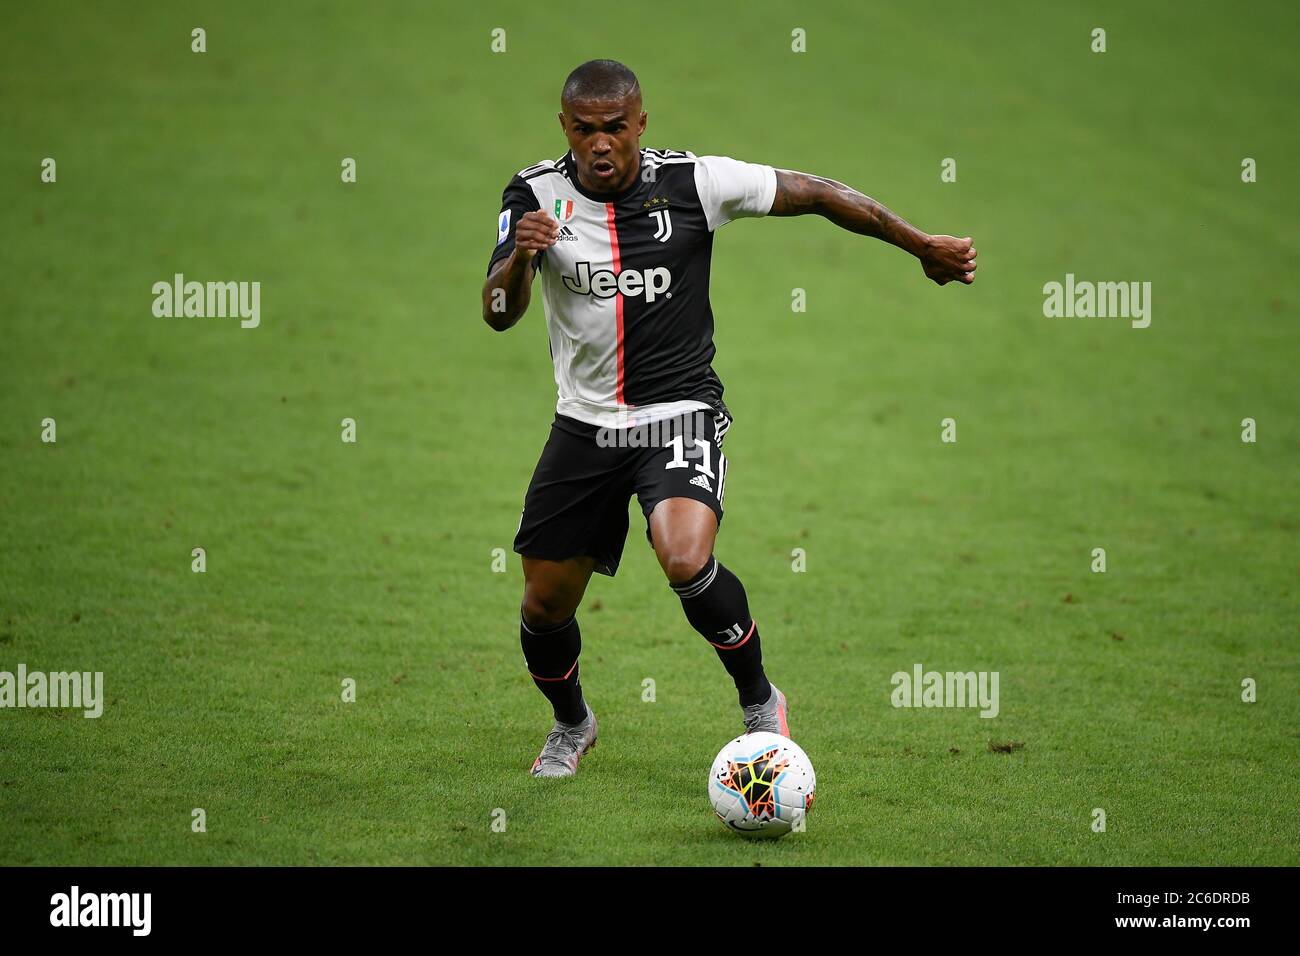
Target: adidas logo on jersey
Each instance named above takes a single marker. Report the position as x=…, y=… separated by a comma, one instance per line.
x=604, y=284
x=702, y=481
x=567, y=235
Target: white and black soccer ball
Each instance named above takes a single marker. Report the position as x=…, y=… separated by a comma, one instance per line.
x=762, y=785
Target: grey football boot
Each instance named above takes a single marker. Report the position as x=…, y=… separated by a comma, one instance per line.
x=773, y=716
x=565, y=746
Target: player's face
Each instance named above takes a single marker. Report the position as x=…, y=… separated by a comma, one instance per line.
x=605, y=138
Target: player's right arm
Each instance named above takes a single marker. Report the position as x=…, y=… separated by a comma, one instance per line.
x=508, y=288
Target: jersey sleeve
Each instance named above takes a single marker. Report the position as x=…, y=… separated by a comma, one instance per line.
x=730, y=189
x=517, y=199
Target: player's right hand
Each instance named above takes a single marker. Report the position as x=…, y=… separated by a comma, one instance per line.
x=536, y=232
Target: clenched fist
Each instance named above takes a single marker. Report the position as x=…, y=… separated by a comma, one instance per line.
x=535, y=232
x=946, y=258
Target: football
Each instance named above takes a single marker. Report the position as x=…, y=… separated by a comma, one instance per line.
x=762, y=785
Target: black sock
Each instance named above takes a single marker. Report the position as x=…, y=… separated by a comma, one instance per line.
x=552, y=657
x=715, y=604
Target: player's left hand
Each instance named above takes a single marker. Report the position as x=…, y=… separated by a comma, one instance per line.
x=947, y=258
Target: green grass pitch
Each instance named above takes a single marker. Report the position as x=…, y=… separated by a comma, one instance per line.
x=373, y=560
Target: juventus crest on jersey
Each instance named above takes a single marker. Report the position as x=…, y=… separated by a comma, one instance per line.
x=625, y=289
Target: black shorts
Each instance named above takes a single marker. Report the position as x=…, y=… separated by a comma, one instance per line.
x=577, y=500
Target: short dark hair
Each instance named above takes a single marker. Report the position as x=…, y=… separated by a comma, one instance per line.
x=600, y=80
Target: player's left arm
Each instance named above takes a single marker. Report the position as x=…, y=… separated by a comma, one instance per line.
x=944, y=258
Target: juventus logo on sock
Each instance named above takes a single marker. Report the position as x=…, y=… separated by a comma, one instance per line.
x=732, y=634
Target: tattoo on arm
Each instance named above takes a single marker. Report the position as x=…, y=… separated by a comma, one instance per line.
x=799, y=194
x=507, y=291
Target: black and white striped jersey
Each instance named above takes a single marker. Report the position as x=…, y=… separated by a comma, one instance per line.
x=626, y=288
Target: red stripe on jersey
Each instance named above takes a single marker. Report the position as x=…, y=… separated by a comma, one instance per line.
x=618, y=300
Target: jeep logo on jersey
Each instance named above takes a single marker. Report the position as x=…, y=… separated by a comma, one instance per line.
x=604, y=284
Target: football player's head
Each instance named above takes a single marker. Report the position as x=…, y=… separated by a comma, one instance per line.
x=601, y=115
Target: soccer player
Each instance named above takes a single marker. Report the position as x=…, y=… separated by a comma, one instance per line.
x=622, y=237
